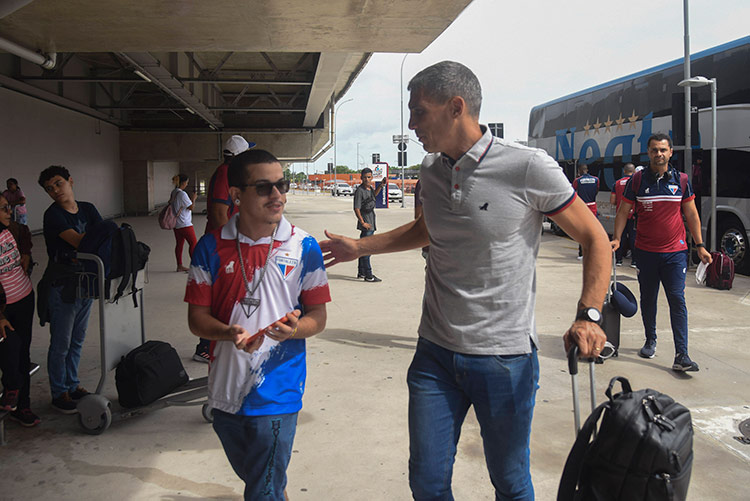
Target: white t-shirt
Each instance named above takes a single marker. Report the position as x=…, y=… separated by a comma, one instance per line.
x=180, y=203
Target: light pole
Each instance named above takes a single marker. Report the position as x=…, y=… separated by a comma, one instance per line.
x=688, y=156
x=700, y=82
x=402, y=152
x=335, y=115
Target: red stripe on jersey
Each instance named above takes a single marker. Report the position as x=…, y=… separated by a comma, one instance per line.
x=316, y=295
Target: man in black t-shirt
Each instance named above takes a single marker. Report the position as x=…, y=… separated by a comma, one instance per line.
x=364, y=209
x=65, y=223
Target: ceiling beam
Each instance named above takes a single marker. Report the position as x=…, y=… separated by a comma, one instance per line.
x=148, y=65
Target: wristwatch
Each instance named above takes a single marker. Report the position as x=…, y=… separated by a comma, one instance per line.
x=590, y=315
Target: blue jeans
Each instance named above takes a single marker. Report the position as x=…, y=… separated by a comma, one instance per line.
x=669, y=269
x=442, y=386
x=67, y=328
x=259, y=449
x=627, y=241
x=363, y=265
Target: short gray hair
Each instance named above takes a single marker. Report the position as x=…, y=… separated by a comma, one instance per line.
x=447, y=79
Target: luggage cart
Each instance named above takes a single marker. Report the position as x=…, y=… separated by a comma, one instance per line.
x=122, y=328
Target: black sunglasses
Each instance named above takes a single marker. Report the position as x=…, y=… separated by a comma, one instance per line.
x=264, y=188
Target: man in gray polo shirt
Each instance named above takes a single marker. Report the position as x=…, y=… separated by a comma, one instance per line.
x=483, y=204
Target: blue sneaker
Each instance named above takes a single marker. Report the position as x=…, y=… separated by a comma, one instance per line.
x=649, y=349
x=682, y=363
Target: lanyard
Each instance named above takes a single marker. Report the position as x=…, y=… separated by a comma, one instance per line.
x=250, y=302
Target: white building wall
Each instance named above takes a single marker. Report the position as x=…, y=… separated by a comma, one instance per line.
x=35, y=135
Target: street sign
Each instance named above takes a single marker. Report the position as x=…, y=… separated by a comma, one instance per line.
x=401, y=146
x=398, y=138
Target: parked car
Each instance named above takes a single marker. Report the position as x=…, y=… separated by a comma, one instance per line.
x=394, y=193
x=343, y=189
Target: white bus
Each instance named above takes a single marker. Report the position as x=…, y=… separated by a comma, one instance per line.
x=608, y=126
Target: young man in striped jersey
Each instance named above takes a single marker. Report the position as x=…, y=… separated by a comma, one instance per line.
x=257, y=274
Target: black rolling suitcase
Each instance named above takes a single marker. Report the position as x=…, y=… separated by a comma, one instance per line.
x=610, y=314
x=636, y=445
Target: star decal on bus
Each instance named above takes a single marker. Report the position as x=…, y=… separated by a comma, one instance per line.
x=586, y=128
x=597, y=124
x=632, y=119
x=619, y=122
x=608, y=124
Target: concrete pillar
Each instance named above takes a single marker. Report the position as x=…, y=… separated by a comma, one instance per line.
x=137, y=187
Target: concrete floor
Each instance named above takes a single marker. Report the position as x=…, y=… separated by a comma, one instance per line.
x=352, y=440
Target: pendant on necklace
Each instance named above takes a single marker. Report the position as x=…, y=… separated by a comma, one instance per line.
x=249, y=305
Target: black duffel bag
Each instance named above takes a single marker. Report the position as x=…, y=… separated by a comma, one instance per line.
x=642, y=449
x=148, y=373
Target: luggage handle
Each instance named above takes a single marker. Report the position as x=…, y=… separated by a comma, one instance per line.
x=613, y=285
x=623, y=381
x=573, y=368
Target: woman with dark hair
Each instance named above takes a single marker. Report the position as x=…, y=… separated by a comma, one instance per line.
x=17, y=200
x=16, y=318
x=182, y=204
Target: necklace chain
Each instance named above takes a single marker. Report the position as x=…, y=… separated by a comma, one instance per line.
x=253, y=301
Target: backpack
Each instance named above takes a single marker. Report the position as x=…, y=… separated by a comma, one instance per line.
x=123, y=257
x=167, y=216
x=636, y=181
x=147, y=373
x=643, y=449
x=720, y=273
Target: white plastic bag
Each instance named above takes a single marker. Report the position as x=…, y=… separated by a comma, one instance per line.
x=700, y=273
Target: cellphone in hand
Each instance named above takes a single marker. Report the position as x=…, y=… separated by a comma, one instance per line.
x=263, y=331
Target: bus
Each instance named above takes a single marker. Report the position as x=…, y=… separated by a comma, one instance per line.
x=608, y=125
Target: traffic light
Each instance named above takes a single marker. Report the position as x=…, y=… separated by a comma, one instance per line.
x=375, y=158
x=402, y=159
x=330, y=167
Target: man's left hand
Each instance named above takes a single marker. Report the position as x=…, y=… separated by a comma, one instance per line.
x=704, y=255
x=281, y=331
x=589, y=337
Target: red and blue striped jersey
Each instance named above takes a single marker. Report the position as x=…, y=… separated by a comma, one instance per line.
x=271, y=380
x=658, y=208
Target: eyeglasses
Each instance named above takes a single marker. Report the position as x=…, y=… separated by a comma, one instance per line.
x=5, y=208
x=264, y=188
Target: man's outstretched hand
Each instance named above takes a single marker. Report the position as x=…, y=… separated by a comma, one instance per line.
x=338, y=249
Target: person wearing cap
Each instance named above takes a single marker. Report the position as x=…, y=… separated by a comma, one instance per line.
x=628, y=234
x=661, y=195
x=219, y=208
x=483, y=201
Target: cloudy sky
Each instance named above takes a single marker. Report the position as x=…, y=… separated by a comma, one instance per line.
x=525, y=54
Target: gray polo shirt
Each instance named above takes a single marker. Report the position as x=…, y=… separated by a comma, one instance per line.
x=484, y=214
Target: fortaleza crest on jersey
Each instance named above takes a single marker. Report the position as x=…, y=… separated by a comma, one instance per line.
x=673, y=188
x=286, y=265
